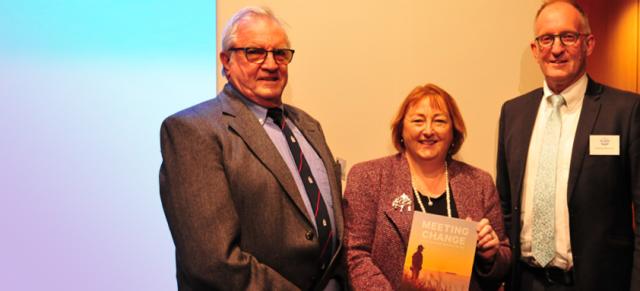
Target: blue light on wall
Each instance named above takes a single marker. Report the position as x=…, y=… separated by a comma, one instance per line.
x=85, y=86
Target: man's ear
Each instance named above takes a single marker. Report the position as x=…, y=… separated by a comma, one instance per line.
x=590, y=43
x=225, y=58
x=534, y=50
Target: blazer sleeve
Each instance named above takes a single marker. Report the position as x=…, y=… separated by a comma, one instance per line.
x=492, y=211
x=360, y=208
x=634, y=166
x=201, y=215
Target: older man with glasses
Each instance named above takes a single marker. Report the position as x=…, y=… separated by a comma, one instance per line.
x=249, y=187
x=568, y=168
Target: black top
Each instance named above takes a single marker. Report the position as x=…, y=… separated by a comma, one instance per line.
x=439, y=205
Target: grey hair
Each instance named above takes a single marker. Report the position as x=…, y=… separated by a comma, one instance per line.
x=229, y=34
x=586, y=28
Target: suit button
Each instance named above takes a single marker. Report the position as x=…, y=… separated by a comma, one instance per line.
x=309, y=235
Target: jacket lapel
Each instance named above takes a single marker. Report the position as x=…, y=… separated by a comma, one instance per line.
x=401, y=185
x=523, y=128
x=242, y=122
x=588, y=117
x=459, y=193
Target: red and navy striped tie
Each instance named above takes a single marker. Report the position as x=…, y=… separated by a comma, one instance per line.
x=318, y=206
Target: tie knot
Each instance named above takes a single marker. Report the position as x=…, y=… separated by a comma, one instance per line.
x=276, y=114
x=557, y=101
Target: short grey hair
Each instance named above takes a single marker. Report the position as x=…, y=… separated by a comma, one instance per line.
x=229, y=34
x=586, y=28
x=230, y=30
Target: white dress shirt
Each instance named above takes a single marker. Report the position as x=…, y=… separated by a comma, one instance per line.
x=570, y=114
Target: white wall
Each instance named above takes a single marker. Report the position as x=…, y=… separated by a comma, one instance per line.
x=355, y=61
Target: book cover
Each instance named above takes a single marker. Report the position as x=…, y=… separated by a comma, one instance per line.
x=440, y=253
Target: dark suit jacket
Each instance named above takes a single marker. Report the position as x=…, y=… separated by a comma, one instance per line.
x=600, y=188
x=376, y=234
x=236, y=216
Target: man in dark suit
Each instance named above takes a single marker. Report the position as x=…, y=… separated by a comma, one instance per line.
x=241, y=214
x=568, y=169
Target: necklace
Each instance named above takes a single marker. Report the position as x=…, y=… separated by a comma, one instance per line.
x=430, y=203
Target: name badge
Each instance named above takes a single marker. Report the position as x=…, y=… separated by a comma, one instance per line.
x=604, y=145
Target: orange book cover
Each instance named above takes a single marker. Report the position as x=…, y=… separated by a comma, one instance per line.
x=440, y=253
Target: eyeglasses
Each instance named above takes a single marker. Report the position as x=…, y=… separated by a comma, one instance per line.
x=258, y=55
x=566, y=39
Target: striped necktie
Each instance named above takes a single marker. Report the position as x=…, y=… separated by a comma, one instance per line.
x=321, y=215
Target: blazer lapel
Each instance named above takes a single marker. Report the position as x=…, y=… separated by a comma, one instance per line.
x=459, y=193
x=588, y=117
x=401, y=185
x=521, y=135
x=242, y=121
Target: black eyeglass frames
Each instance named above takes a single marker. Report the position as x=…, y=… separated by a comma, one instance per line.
x=567, y=38
x=258, y=55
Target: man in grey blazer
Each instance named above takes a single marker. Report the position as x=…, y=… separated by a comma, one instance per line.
x=237, y=208
x=568, y=169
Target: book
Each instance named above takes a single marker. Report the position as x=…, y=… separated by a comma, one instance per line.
x=440, y=253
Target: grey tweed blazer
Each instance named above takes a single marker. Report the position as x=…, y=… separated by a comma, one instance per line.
x=235, y=214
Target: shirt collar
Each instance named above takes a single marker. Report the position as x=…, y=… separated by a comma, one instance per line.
x=259, y=111
x=573, y=95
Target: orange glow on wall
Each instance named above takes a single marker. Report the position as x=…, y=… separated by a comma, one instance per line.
x=615, y=26
x=623, y=44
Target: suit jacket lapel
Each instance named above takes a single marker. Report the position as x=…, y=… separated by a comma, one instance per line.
x=459, y=193
x=316, y=139
x=400, y=185
x=523, y=128
x=588, y=117
x=242, y=121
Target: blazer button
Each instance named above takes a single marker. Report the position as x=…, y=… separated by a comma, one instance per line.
x=309, y=235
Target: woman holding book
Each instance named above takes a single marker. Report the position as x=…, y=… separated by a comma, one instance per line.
x=381, y=196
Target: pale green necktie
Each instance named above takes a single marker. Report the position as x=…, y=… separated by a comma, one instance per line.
x=543, y=230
